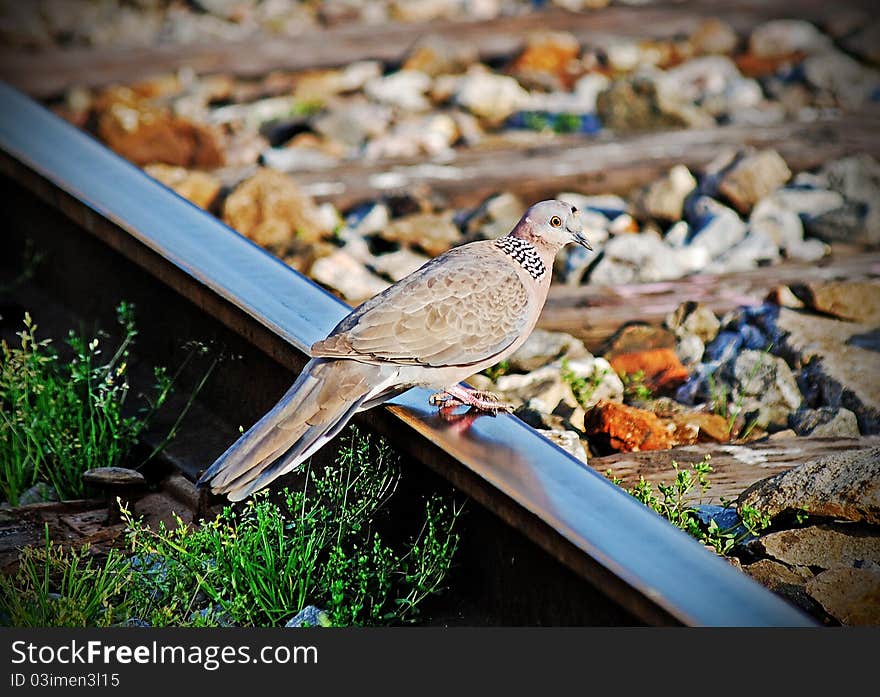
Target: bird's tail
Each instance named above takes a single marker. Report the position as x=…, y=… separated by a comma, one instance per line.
x=318, y=405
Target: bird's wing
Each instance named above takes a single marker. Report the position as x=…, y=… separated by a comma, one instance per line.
x=461, y=308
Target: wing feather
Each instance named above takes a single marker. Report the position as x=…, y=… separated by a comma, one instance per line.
x=459, y=309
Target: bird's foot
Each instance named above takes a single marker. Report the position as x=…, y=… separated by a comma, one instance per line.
x=458, y=396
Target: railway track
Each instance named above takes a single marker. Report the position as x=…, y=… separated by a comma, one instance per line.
x=110, y=227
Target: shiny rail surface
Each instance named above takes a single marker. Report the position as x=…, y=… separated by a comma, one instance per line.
x=648, y=566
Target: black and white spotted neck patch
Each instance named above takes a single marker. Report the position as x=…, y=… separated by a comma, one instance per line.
x=524, y=253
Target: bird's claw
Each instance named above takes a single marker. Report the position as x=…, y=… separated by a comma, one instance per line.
x=487, y=402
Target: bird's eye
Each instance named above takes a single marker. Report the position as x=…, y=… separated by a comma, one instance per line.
x=556, y=221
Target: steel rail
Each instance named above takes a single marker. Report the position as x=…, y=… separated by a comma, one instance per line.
x=640, y=561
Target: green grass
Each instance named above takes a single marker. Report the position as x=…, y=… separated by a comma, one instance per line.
x=60, y=418
x=258, y=564
x=719, y=394
x=635, y=387
x=676, y=503
x=582, y=388
x=57, y=587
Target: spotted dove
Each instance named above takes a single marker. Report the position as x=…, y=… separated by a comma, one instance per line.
x=460, y=313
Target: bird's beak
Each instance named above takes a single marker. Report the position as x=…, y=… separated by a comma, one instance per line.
x=575, y=227
x=579, y=237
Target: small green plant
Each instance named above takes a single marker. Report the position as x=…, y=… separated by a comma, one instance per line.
x=720, y=398
x=262, y=563
x=582, y=388
x=634, y=386
x=59, y=418
x=58, y=587
x=676, y=503
x=496, y=371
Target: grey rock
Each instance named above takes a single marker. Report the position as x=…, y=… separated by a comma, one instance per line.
x=398, y=264
x=343, y=273
x=717, y=228
x=825, y=422
x=309, y=616
x=856, y=177
x=495, y=216
x=609, y=205
x=822, y=546
x=764, y=387
x=724, y=346
x=637, y=257
x=845, y=78
x=38, y=493
x=808, y=203
x=569, y=441
x=808, y=250
x=849, y=594
x=779, y=223
x=696, y=390
x=298, y=159
x=545, y=384
x=543, y=347
x=113, y=477
x=664, y=198
x=837, y=372
x=844, y=484
x=754, y=250
x=726, y=518
x=693, y=318
x=690, y=349
x=782, y=37
x=846, y=224
x=133, y=622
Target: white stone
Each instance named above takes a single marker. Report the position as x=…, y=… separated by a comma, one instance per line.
x=722, y=230
x=490, y=96
x=404, y=89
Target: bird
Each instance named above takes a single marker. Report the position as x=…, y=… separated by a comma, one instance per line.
x=460, y=313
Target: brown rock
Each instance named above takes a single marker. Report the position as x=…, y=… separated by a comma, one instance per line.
x=753, y=66
x=435, y=56
x=753, y=177
x=823, y=546
x=850, y=595
x=549, y=60
x=270, y=209
x=432, y=232
x=638, y=337
x=620, y=428
x=201, y=188
x=714, y=36
x=858, y=301
x=787, y=582
x=664, y=199
x=143, y=133
x=845, y=484
x=712, y=428
x=661, y=368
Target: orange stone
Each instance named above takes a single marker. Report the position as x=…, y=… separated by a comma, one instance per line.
x=617, y=427
x=760, y=66
x=661, y=367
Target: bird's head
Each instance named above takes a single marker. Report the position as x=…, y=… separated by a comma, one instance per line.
x=552, y=224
